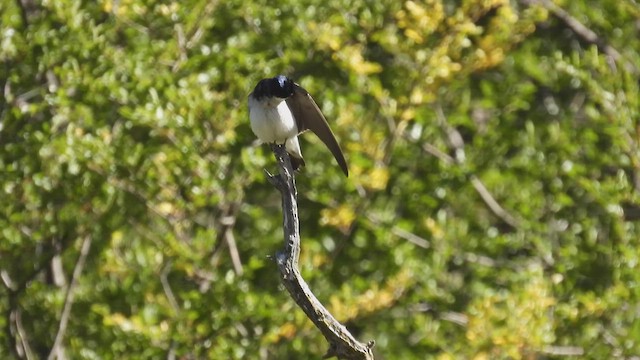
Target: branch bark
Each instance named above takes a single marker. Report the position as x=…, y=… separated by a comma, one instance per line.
x=341, y=343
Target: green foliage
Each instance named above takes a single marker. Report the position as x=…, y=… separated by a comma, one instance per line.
x=492, y=210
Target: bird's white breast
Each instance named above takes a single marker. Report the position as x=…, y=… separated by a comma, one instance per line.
x=271, y=120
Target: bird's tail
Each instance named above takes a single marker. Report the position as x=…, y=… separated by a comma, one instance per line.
x=296, y=162
x=293, y=148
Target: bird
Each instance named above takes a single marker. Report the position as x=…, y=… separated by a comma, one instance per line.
x=280, y=110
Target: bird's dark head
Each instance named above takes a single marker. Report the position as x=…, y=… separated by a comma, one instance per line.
x=279, y=86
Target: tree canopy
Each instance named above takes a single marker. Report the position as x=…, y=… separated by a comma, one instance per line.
x=492, y=209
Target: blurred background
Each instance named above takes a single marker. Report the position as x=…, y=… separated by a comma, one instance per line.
x=492, y=209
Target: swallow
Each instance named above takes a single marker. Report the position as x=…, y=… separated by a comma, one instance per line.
x=280, y=110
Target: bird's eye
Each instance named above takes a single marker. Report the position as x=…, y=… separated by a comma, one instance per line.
x=281, y=80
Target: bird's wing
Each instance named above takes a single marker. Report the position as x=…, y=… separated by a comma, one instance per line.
x=309, y=117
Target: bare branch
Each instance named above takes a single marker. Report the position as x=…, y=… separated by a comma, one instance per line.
x=578, y=28
x=233, y=251
x=9, y=327
x=227, y=222
x=491, y=202
x=456, y=142
x=563, y=350
x=583, y=32
x=437, y=153
x=16, y=288
x=7, y=281
x=167, y=287
x=341, y=343
x=68, y=301
x=411, y=237
x=25, y=348
x=225, y=237
x=404, y=234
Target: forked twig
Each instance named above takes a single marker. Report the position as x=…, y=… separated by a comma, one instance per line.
x=341, y=343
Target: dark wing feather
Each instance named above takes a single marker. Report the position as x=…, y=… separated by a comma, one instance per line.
x=309, y=117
